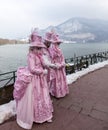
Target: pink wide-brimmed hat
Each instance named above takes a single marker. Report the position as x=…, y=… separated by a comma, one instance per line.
x=56, y=39
x=48, y=37
x=38, y=42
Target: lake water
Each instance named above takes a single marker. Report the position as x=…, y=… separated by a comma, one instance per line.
x=13, y=56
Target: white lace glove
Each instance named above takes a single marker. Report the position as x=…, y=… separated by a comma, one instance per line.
x=58, y=66
x=45, y=71
x=53, y=66
x=63, y=64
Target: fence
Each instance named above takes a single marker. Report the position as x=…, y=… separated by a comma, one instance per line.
x=78, y=63
x=6, y=86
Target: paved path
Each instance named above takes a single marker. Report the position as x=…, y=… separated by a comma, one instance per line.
x=85, y=108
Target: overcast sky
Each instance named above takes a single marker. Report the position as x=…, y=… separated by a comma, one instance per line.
x=17, y=17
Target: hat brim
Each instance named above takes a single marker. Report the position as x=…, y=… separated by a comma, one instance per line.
x=33, y=44
x=47, y=40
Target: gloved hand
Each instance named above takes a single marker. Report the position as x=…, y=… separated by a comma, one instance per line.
x=53, y=66
x=45, y=71
x=58, y=66
x=63, y=65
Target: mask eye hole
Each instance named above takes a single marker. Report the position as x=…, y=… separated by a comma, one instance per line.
x=38, y=48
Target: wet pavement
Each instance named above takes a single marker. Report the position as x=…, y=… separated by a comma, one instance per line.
x=85, y=108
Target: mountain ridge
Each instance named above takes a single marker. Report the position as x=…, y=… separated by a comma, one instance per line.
x=80, y=29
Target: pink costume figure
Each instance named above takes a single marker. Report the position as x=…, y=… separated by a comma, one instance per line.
x=31, y=90
x=59, y=87
x=47, y=56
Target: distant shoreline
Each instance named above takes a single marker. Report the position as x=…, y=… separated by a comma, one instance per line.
x=11, y=42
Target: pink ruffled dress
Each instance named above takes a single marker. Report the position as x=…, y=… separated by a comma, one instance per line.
x=59, y=87
x=32, y=93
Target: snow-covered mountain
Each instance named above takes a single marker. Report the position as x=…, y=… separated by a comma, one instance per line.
x=82, y=30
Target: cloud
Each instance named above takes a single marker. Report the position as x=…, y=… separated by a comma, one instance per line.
x=17, y=17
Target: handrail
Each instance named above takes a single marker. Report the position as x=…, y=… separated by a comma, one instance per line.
x=8, y=79
x=88, y=55
x=8, y=72
x=77, y=63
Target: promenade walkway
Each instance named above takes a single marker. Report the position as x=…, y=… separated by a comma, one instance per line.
x=85, y=108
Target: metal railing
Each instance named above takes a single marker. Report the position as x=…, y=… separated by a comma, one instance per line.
x=6, y=86
x=80, y=62
x=9, y=77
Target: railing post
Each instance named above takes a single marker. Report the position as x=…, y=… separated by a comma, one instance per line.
x=90, y=59
x=101, y=57
x=81, y=63
x=94, y=57
x=14, y=76
x=74, y=62
x=98, y=57
x=87, y=63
